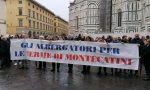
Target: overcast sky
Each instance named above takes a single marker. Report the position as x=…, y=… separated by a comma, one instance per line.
x=59, y=7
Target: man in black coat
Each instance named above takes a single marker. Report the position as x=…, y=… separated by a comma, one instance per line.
x=3, y=52
x=137, y=40
x=7, y=57
x=146, y=59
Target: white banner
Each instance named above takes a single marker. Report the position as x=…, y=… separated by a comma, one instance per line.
x=114, y=55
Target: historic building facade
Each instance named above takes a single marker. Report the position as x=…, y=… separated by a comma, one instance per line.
x=2, y=17
x=131, y=16
x=89, y=16
x=126, y=16
x=61, y=26
x=109, y=16
x=32, y=18
x=29, y=17
x=145, y=16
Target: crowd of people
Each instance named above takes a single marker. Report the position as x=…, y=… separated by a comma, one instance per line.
x=143, y=42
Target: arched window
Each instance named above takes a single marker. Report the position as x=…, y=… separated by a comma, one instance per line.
x=119, y=18
x=92, y=13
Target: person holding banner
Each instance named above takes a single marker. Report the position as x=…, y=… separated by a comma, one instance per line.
x=54, y=64
x=70, y=66
x=117, y=71
x=2, y=52
x=124, y=40
x=23, y=63
x=137, y=40
x=101, y=40
x=86, y=69
x=146, y=59
x=42, y=64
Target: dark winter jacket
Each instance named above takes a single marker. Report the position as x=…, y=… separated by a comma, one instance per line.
x=146, y=55
x=140, y=42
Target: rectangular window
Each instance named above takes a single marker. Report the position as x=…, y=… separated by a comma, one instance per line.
x=48, y=27
x=43, y=26
x=20, y=11
x=20, y=1
x=41, y=17
x=37, y=15
x=54, y=23
x=33, y=14
x=38, y=25
x=30, y=23
x=33, y=24
x=29, y=13
x=20, y=21
x=48, y=20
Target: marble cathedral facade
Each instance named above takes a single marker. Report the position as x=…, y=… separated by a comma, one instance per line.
x=109, y=16
x=130, y=16
x=90, y=16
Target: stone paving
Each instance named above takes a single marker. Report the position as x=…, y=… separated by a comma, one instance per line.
x=33, y=79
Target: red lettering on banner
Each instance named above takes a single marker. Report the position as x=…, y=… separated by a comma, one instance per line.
x=87, y=58
x=124, y=61
x=30, y=54
x=93, y=59
x=44, y=54
x=57, y=56
x=106, y=59
x=82, y=58
x=36, y=54
x=69, y=57
x=112, y=60
x=48, y=55
x=61, y=56
x=41, y=55
x=75, y=57
x=98, y=59
x=129, y=62
x=118, y=60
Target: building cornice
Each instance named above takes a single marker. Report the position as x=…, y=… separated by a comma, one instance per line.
x=61, y=19
x=43, y=7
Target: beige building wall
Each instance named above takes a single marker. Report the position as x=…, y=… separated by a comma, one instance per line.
x=2, y=17
x=61, y=26
x=34, y=20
